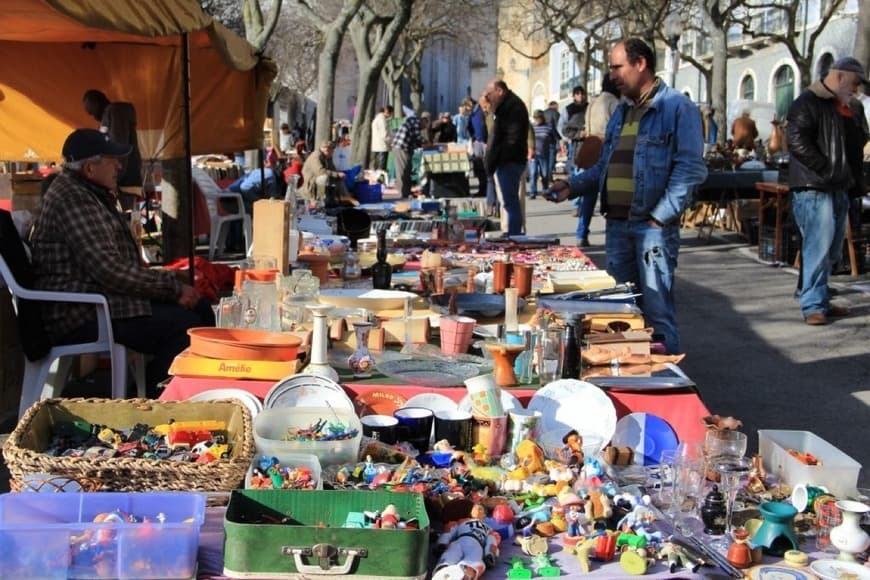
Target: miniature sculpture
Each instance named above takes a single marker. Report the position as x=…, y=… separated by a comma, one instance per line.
x=467, y=548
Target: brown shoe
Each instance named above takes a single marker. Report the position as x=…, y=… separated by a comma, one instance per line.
x=837, y=311
x=575, y=213
x=817, y=319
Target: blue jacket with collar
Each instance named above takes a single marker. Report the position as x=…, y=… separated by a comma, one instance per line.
x=668, y=158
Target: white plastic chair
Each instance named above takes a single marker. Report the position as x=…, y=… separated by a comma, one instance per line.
x=219, y=222
x=46, y=377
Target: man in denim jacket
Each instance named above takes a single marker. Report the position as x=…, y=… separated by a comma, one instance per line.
x=651, y=162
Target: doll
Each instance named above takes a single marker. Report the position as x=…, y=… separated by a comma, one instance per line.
x=572, y=453
x=573, y=506
x=467, y=548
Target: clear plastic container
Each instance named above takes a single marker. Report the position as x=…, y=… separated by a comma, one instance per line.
x=291, y=460
x=838, y=472
x=271, y=426
x=54, y=535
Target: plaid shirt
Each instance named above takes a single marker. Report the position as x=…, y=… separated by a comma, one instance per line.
x=82, y=243
x=408, y=137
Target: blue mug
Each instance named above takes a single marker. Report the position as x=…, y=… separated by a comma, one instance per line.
x=415, y=426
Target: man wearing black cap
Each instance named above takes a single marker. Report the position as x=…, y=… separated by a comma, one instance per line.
x=826, y=132
x=82, y=243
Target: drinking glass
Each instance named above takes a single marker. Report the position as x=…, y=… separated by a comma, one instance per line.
x=730, y=468
x=666, y=476
x=828, y=517
x=725, y=443
x=229, y=312
x=550, y=355
x=688, y=484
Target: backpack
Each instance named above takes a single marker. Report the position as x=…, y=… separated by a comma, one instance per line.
x=574, y=125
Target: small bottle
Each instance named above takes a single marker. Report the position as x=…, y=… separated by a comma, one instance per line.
x=350, y=269
x=382, y=273
x=571, y=363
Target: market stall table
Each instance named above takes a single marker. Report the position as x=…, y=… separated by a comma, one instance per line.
x=775, y=195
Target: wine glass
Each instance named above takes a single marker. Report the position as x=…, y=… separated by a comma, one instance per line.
x=719, y=442
x=731, y=468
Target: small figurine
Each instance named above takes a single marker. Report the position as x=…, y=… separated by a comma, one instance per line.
x=640, y=515
x=597, y=506
x=573, y=514
x=518, y=569
x=544, y=566
x=480, y=454
x=389, y=518
x=530, y=460
x=572, y=453
x=531, y=519
x=677, y=556
x=591, y=472
x=369, y=471
x=467, y=548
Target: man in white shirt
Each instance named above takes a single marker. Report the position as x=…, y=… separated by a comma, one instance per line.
x=381, y=137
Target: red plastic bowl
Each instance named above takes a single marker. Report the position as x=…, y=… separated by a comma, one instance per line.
x=243, y=344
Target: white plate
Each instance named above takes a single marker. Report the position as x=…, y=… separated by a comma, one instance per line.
x=836, y=569
x=307, y=391
x=571, y=404
x=249, y=400
x=508, y=401
x=366, y=298
x=432, y=401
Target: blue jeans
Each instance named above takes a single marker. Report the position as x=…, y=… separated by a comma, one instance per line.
x=821, y=217
x=647, y=256
x=585, y=211
x=507, y=179
x=538, y=168
x=551, y=161
x=569, y=162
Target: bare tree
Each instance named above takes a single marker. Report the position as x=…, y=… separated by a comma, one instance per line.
x=790, y=16
x=374, y=34
x=295, y=48
x=257, y=29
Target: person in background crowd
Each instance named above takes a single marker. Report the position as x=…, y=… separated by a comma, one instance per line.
x=477, y=130
x=651, y=161
x=426, y=133
x=285, y=138
x=826, y=132
x=551, y=115
x=545, y=136
x=322, y=181
x=443, y=130
x=381, y=137
x=744, y=132
x=82, y=243
x=574, y=127
x=118, y=121
x=408, y=139
x=597, y=117
x=462, y=119
x=507, y=152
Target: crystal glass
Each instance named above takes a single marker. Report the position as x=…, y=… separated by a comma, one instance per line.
x=688, y=485
x=229, y=312
x=666, y=476
x=725, y=442
x=549, y=355
x=730, y=468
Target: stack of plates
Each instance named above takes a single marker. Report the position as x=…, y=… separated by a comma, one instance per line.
x=247, y=399
x=569, y=404
x=307, y=391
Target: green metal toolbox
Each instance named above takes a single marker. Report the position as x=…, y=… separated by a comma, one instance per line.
x=308, y=537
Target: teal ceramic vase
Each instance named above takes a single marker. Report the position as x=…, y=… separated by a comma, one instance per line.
x=776, y=534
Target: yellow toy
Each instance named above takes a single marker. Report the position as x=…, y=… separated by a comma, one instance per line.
x=530, y=459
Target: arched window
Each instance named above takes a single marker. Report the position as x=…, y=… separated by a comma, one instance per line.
x=783, y=89
x=747, y=88
x=824, y=65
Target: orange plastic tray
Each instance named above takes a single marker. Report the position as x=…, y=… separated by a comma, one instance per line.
x=244, y=344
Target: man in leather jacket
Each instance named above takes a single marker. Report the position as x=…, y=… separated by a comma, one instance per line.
x=826, y=130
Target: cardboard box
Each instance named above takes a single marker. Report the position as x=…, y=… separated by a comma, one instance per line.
x=272, y=222
x=26, y=191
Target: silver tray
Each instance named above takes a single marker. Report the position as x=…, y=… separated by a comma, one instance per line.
x=428, y=373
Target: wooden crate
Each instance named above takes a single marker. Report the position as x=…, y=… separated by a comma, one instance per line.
x=26, y=188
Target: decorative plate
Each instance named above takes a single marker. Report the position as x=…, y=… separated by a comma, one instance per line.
x=428, y=373
x=248, y=400
x=307, y=391
x=571, y=404
x=837, y=569
x=647, y=434
x=473, y=305
x=378, y=403
x=772, y=572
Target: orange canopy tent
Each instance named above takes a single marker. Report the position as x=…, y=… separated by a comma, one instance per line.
x=54, y=50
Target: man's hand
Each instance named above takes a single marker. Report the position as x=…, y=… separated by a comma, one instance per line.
x=559, y=191
x=189, y=297
x=531, y=153
x=654, y=224
x=341, y=175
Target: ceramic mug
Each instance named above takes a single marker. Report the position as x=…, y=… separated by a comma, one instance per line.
x=491, y=432
x=415, y=426
x=380, y=427
x=455, y=426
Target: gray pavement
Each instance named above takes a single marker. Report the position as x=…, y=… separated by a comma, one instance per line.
x=746, y=344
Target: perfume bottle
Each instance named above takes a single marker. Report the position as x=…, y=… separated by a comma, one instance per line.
x=382, y=272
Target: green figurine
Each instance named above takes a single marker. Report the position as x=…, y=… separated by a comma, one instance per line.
x=518, y=569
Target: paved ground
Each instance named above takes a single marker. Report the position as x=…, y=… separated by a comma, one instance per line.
x=747, y=346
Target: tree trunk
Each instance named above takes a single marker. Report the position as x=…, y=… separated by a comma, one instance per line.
x=806, y=75
x=414, y=73
x=327, y=64
x=862, y=42
x=396, y=98
x=176, y=206
x=719, y=88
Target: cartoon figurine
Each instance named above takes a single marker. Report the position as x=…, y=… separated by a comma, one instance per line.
x=531, y=519
x=530, y=460
x=389, y=518
x=369, y=471
x=467, y=548
x=480, y=454
x=572, y=453
x=678, y=557
x=597, y=506
x=573, y=513
x=641, y=515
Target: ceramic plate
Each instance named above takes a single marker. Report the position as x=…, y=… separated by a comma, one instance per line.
x=249, y=400
x=432, y=401
x=307, y=391
x=571, y=404
x=366, y=298
x=473, y=305
x=647, y=434
x=836, y=569
x=378, y=403
x=769, y=572
x=508, y=401
x=428, y=373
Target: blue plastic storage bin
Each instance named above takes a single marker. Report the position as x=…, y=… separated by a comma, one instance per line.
x=367, y=193
x=54, y=535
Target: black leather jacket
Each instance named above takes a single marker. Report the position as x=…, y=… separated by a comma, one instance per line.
x=816, y=142
x=509, y=139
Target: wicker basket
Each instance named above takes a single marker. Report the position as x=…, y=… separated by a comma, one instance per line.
x=24, y=455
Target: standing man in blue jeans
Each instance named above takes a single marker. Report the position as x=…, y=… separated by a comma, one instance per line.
x=507, y=152
x=651, y=162
x=826, y=132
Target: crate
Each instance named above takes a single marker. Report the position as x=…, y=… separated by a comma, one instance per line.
x=23, y=451
x=26, y=191
x=316, y=518
x=790, y=243
x=838, y=472
x=53, y=535
x=368, y=193
x=271, y=426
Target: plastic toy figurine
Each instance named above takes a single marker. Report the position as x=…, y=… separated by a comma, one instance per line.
x=529, y=520
x=544, y=566
x=480, y=454
x=597, y=506
x=389, y=518
x=369, y=471
x=572, y=453
x=573, y=506
x=467, y=548
x=518, y=569
x=640, y=515
x=591, y=472
x=678, y=557
x=530, y=460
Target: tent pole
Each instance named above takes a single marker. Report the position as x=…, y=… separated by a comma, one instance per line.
x=188, y=149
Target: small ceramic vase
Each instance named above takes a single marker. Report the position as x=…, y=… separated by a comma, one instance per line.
x=776, y=534
x=848, y=537
x=319, y=364
x=739, y=553
x=361, y=361
x=713, y=513
x=503, y=357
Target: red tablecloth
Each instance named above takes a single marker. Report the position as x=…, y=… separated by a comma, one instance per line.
x=683, y=409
